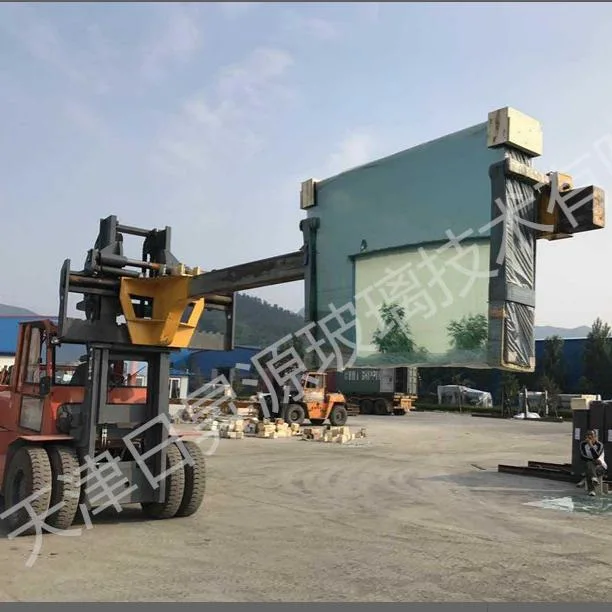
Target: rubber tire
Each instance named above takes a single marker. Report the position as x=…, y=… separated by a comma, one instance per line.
x=64, y=462
x=338, y=415
x=317, y=422
x=32, y=463
x=380, y=407
x=297, y=409
x=175, y=488
x=195, y=481
x=366, y=406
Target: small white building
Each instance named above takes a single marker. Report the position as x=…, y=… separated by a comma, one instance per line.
x=6, y=360
x=178, y=385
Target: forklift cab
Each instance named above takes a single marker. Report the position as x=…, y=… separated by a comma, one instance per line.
x=314, y=385
x=45, y=373
x=32, y=375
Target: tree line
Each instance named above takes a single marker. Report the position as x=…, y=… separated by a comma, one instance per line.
x=258, y=323
x=395, y=336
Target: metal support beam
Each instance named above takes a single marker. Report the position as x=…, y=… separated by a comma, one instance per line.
x=309, y=229
x=537, y=472
x=262, y=273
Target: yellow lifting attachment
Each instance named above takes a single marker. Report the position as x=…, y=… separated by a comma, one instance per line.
x=173, y=315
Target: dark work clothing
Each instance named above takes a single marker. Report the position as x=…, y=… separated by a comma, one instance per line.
x=79, y=378
x=594, y=460
x=592, y=453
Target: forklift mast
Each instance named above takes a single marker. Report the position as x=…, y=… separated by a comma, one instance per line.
x=161, y=301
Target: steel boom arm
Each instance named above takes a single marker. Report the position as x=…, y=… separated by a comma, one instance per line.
x=252, y=275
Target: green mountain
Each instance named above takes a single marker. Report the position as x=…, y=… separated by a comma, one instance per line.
x=14, y=311
x=545, y=331
x=258, y=323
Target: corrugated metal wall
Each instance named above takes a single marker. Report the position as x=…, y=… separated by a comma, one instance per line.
x=573, y=355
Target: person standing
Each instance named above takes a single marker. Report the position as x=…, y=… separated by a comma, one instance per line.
x=592, y=452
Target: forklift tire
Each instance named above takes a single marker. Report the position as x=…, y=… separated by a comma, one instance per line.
x=67, y=491
x=175, y=487
x=195, y=481
x=294, y=413
x=28, y=476
x=338, y=415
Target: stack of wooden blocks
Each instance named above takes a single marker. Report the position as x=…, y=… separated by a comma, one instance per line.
x=340, y=435
x=233, y=429
x=277, y=429
x=238, y=428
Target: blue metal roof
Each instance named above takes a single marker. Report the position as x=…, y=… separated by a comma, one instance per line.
x=179, y=359
x=203, y=362
x=9, y=330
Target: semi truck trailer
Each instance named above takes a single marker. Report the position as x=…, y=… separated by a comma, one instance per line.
x=376, y=391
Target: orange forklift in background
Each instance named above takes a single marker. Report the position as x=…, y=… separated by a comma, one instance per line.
x=58, y=430
x=314, y=402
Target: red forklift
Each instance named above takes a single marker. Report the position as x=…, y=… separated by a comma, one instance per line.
x=59, y=432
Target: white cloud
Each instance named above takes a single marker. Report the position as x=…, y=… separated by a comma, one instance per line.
x=357, y=148
x=221, y=123
x=177, y=40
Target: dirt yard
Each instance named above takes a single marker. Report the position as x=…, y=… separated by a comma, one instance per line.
x=416, y=512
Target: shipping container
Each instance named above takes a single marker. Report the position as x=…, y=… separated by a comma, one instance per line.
x=376, y=391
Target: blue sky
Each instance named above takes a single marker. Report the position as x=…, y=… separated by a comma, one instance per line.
x=207, y=117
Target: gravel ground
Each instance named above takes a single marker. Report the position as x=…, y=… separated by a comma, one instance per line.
x=416, y=512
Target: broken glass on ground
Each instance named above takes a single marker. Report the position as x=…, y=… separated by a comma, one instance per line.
x=602, y=504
